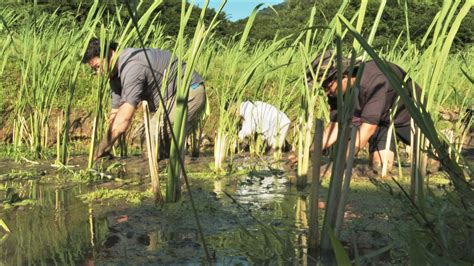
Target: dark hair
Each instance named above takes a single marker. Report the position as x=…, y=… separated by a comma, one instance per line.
x=93, y=49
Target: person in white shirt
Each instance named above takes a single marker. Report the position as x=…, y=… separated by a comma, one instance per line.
x=266, y=119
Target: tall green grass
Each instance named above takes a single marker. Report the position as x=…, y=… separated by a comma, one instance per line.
x=40, y=61
x=244, y=73
x=439, y=243
x=42, y=65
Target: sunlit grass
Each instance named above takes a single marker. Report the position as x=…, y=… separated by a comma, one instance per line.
x=41, y=61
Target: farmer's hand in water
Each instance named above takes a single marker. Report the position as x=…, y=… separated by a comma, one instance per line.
x=293, y=160
x=103, y=149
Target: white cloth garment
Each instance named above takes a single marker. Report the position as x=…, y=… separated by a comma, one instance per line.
x=265, y=119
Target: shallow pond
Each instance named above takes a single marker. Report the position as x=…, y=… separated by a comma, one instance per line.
x=254, y=216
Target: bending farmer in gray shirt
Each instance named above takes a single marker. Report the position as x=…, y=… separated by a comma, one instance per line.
x=131, y=81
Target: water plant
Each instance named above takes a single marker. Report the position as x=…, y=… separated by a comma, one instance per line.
x=236, y=81
x=462, y=188
x=39, y=57
x=191, y=56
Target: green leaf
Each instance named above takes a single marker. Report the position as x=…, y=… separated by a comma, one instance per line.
x=416, y=252
x=249, y=25
x=341, y=255
x=4, y=226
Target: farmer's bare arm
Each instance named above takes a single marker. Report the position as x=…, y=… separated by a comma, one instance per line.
x=112, y=115
x=118, y=125
x=363, y=135
x=122, y=120
x=330, y=135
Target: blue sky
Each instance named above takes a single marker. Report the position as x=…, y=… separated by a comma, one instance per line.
x=237, y=9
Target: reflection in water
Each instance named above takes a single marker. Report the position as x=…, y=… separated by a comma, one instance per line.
x=261, y=187
x=280, y=238
x=302, y=224
x=59, y=229
x=218, y=187
x=155, y=240
x=91, y=225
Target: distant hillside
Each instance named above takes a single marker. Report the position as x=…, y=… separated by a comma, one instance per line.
x=170, y=11
x=293, y=15
x=291, y=18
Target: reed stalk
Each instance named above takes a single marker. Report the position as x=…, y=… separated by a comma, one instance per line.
x=58, y=137
x=390, y=133
x=305, y=119
x=220, y=149
x=347, y=182
x=98, y=111
x=191, y=57
x=346, y=108
x=90, y=160
x=152, y=160
x=168, y=121
x=422, y=119
x=314, y=195
x=385, y=162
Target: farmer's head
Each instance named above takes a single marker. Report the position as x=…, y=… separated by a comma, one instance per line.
x=92, y=55
x=327, y=74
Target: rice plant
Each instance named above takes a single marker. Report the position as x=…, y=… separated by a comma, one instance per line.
x=42, y=65
x=77, y=48
x=312, y=95
x=233, y=89
x=434, y=247
x=191, y=56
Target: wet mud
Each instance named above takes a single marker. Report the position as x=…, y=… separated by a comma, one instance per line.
x=254, y=215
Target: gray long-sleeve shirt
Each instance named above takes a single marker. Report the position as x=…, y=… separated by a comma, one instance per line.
x=134, y=82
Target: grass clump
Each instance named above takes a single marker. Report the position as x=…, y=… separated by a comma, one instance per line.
x=104, y=194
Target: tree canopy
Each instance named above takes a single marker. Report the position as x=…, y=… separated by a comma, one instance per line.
x=291, y=17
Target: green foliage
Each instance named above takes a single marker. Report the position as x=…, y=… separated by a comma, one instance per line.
x=293, y=15
x=103, y=194
x=342, y=257
x=4, y=226
x=443, y=233
x=259, y=70
x=291, y=18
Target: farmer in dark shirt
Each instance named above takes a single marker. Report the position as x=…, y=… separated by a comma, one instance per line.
x=376, y=100
x=131, y=81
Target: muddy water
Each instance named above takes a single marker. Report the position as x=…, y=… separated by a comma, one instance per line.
x=56, y=229
x=264, y=220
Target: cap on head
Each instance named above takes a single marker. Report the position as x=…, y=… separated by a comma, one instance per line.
x=328, y=69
